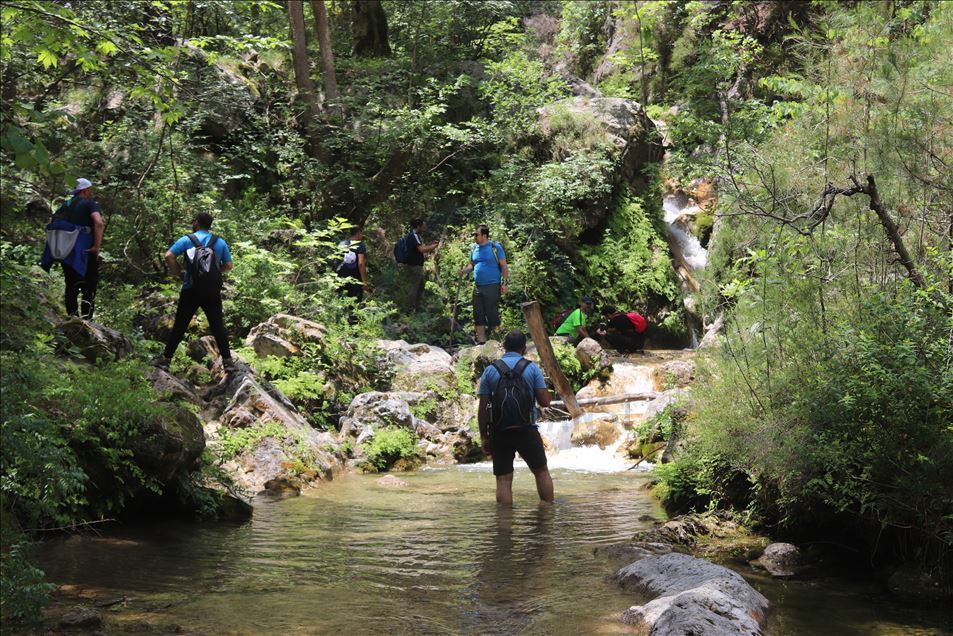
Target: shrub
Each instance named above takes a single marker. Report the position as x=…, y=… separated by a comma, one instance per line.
x=391, y=445
x=23, y=594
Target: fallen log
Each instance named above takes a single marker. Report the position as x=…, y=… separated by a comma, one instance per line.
x=609, y=399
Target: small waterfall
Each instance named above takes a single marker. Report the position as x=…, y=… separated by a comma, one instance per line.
x=690, y=249
x=590, y=459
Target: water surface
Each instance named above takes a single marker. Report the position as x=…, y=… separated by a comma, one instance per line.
x=435, y=557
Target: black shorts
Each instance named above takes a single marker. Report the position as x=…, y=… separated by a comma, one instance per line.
x=525, y=441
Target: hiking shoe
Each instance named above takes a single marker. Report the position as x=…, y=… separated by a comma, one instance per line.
x=161, y=362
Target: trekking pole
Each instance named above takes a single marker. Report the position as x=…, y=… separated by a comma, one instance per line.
x=453, y=312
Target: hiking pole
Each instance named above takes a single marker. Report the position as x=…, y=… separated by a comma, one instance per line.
x=453, y=312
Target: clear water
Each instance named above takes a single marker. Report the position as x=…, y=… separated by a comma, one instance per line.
x=436, y=557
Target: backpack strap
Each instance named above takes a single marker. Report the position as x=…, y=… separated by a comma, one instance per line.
x=521, y=366
x=496, y=254
x=501, y=367
x=195, y=241
x=211, y=241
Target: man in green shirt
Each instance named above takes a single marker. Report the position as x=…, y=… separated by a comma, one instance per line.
x=573, y=327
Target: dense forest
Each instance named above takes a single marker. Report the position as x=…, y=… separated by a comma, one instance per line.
x=815, y=137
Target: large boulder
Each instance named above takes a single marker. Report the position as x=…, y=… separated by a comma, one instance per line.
x=626, y=126
x=473, y=360
x=418, y=367
x=442, y=439
x=282, y=453
x=691, y=596
x=155, y=316
x=591, y=355
x=93, y=341
x=283, y=335
x=170, y=445
x=171, y=388
x=626, y=377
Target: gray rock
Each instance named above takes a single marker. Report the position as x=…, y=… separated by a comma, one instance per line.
x=691, y=596
x=283, y=334
x=912, y=583
x=81, y=618
x=473, y=360
x=631, y=552
x=172, y=389
x=296, y=453
x=390, y=481
x=780, y=559
x=596, y=429
x=203, y=349
x=591, y=355
x=663, y=401
x=169, y=446
x=673, y=374
x=418, y=367
x=94, y=341
x=703, y=611
x=377, y=409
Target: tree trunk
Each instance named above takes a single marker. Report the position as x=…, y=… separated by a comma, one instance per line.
x=302, y=71
x=369, y=27
x=534, y=320
x=327, y=55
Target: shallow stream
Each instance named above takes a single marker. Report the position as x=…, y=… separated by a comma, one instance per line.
x=434, y=557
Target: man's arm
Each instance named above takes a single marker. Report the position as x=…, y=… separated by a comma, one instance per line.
x=362, y=268
x=483, y=419
x=426, y=249
x=173, y=264
x=98, y=228
x=227, y=267
x=543, y=397
x=504, y=276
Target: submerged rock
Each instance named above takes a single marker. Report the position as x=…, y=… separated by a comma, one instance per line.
x=779, y=559
x=691, y=596
x=81, y=618
x=390, y=481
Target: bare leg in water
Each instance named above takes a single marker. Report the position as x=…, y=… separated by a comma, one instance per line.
x=544, y=484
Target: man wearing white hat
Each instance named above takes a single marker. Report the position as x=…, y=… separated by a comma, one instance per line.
x=83, y=210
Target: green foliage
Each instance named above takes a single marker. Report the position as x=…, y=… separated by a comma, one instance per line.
x=569, y=363
x=389, y=446
x=631, y=264
x=854, y=421
x=23, y=593
x=236, y=441
x=63, y=425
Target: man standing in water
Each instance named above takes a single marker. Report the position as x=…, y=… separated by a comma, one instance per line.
x=509, y=391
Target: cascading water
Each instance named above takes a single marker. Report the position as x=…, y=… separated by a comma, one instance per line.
x=690, y=249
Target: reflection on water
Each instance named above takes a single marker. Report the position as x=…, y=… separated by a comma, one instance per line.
x=435, y=557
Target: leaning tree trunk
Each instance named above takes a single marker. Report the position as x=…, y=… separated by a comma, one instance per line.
x=327, y=55
x=369, y=27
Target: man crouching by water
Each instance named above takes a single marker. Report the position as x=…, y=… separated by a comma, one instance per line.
x=509, y=391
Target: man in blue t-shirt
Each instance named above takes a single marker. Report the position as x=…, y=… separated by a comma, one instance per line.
x=190, y=300
x=526, y=440
x=491, y=277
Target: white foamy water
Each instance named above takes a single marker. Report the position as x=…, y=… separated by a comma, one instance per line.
x=695, y=255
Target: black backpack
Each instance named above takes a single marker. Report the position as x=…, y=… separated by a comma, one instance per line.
x=402, y=249
x=512, y=400
x=204, y=270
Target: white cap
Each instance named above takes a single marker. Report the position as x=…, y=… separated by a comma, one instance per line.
x=81, y=184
